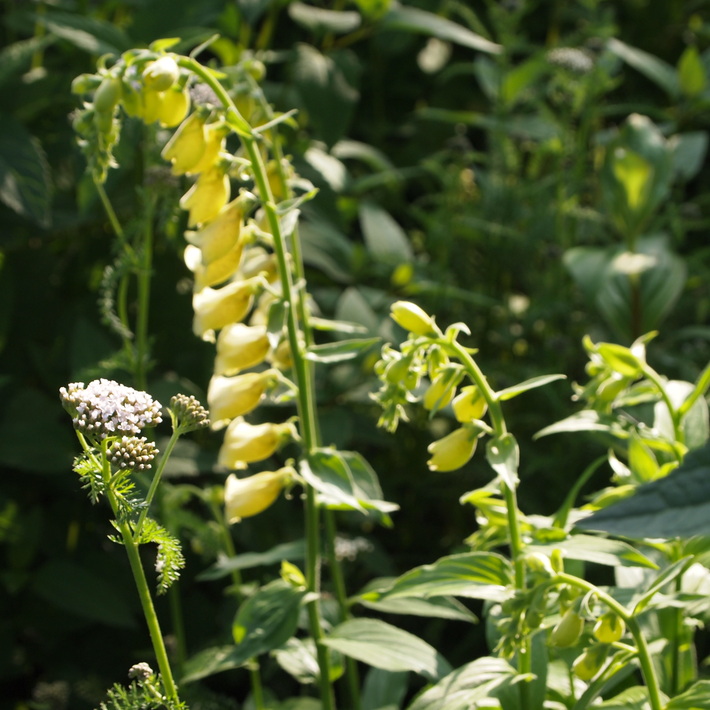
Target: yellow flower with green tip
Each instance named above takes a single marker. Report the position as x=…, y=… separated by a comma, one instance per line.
x=245, y=497
x=455, y=449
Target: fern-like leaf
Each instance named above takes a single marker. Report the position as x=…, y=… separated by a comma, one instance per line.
x=91, y=479
x=170, y=559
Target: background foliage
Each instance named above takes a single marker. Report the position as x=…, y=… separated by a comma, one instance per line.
x=475, y=177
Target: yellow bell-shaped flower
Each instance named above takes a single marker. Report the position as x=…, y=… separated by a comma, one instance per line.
x=187, y=144
x=214, y=308
x=215, y=134
x=469, y=404
x=412, y=318
x=222, y=234
x=161, y=74
x=246, y=443
x=244, y=497
x=232, y=397
x=207, y=196
x=215, y=273
x=455, y=449
x=240, y=347
x=174, y=106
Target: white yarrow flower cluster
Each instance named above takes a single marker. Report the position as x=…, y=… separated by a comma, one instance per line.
x=106, y=408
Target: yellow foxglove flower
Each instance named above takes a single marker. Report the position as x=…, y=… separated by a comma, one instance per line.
x=246, y=443
x=412, y=318
x=152, y=103
x=440, y=392
x=215, y=134
x=244, y=497
x=206, y=197
x=222, y=234
x=174, y=106
x=469, y=404
x=454, y=450
x=161, y=74
x=187, y=144
x=217, y=307
x=215, y=273
x=240, y=347
x=232, y=397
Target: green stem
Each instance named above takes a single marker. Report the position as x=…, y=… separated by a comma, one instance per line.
x=110, y=213
x=644, y=654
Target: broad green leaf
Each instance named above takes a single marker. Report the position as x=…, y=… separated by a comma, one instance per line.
x=635, y=698
x=691, y=72
x=339, y=351
x=385, y=239
x=318, y=19
x=412, y=19
x=347, y=149
x=92, y=35
x=696, y=696
x=266, y=620
x=298, y=658
x=25, y=185
x=503, y=455
x=598, y=550
x=353, y=306
x=15, y=58
x=694, y=423
x=209, y=661
x=384, y=690
x=519, y=78
x=384, y=646
x=701, y=387
x=620, y=359
x=532, y=383
x=653, y=68
x=585, y=420
x=476, y=575
x=326, y=248
x=689, y=152
x=664, y=578
x=675, y=506
x=328, y=167
x=224, y=566
x=642, y=462
x=463, y=687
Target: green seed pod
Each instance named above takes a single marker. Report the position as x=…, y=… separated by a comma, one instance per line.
x=609, y=628
x=587, y=665
x=107, y=95
x=568, y=630
x=85, y=83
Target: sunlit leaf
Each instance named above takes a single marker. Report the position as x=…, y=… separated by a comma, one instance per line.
x=653, y=68
x=532, y=383
x=598, y=550
x=339, y=351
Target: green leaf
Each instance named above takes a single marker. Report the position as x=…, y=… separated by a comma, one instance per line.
x=691, y=72
x=266, y=620
x=586, y=420
x=463, y=687
x=318, y=19
x=670, y=573
x=503, y=455
x=24, y=172
x=299, y=659
x=598, y=550
x=695, y=420
x=412, y=19
x=384, y=646
x=696, y=696
x=326, y=248
x=385, y=239
x=345, y=481
x=16, y=58
x=209, y=661
x=92, y=35
x=653, y=68
x=635, y=698
x=532, y=383
x=224, y=566
x=476, y=575
x=342, y=350
x=675, y=506
x=689, y=152
x=384, y=690
x=325, y=325
x=620, y=359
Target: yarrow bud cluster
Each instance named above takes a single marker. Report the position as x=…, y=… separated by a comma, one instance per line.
x=106, y=408
x=189, y=414
x=132, y=453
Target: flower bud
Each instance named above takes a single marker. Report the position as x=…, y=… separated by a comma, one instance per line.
x=589, y=663
x=469, y=404
x=454, y=450
x=412, y=318
x=231, y=397
x=188, y=413
x=161, y=74
x=217, y=307
x=441, y=391
x=246, y=443
x=187, y=144
x=207, y=196
x=250, y=496
x=107, y=95
x=609, y=628
x=85, y=83
x=568, y=629
x=240, y=347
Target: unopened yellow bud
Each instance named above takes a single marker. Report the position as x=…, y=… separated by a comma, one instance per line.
x=568, y=629
x=412, y=318
x=246, y=443
x=469, y=404
x=107, y=95
x=239, y=347
x=161, y=74
x=217, y=307
x=250, y=496
x=231, y=397
x=222, y=234
x=187, y=144
x=454, y=450
x=609, y=628
x=440, y=392
x=206, y=197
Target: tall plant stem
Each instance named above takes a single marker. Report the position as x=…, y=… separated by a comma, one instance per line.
x=644, y=655
x=301, y=367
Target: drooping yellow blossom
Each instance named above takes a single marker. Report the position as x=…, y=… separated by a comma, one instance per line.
x=246, y=443
x=469, y=404
x=244, y=497
x=217, y=272
x=412, y=318
x=222, y=234
x=187, y=144
x=217, y=307
x=215, y=134
x=174, y=106
x=152, y=104
x=440, y=392
x=207, y=196
x=231, y=397
x=240, y=347
x=454, y=450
